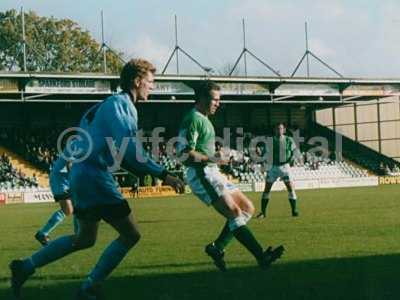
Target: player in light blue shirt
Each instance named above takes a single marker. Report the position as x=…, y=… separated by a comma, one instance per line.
x=60, y=188
x=109, y=125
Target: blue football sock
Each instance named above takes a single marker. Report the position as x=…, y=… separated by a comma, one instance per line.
x=55, y=250
x=108, y=261
x=53, y=222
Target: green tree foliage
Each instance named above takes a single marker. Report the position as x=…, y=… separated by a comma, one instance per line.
x=53, y=45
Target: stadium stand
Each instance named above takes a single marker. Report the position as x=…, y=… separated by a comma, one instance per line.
x=312, y=169
x=12, y=178
x=38, y=146
x=358, y=153
x=245, y=170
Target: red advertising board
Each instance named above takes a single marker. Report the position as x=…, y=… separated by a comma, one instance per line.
x=2, y=198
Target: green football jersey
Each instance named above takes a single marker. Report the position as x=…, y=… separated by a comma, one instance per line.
x=198, y=133
x=283, y=149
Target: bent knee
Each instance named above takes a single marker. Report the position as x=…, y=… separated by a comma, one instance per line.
x=246, y=205
x=66, y=207
x=68, y=211
x=235, y=211
x=250, y=209
x=136, y=237
x=131, y=239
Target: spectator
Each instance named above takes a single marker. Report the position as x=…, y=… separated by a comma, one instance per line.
x=11, y=178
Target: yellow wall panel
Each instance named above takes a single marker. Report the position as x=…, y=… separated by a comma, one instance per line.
x=367, y=113
x=368, y=131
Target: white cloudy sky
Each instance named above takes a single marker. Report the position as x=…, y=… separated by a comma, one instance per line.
x=357, y=37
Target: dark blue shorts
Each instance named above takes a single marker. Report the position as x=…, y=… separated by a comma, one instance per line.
x=64, y=196
x=106, y=212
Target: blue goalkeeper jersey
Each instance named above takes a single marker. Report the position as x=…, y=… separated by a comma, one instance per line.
x=59, y=174
x=59, y=178
x=110, y=126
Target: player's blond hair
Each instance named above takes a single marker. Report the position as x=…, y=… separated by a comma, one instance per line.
x=135, y=68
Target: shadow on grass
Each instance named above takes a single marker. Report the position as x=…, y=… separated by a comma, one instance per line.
x=372, y=277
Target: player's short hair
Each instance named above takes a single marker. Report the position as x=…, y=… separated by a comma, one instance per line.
x=203, y=90
x=135, y=68
x=280, y=123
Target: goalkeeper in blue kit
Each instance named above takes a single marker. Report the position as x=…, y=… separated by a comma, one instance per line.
x=60, y=188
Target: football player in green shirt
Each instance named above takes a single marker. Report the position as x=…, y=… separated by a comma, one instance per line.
x=197, y=150
x=283, y=154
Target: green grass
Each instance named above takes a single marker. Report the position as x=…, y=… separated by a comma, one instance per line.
x=345, y=245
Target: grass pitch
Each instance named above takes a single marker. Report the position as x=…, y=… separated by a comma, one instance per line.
x=344, y=245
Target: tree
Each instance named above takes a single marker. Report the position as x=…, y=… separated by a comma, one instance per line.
x=52, y=44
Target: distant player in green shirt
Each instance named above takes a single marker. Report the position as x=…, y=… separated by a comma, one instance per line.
x=197, y=149
x=283, y=153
